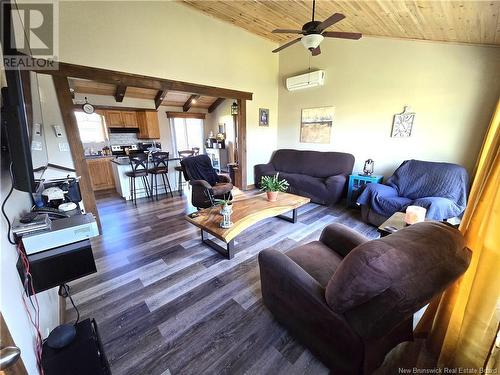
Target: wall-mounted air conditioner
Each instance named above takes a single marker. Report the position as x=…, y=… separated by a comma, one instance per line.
x=303, y=81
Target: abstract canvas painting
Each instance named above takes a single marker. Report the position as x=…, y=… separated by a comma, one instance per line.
x=316, y=125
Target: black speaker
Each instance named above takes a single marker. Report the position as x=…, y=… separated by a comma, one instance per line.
x=51, y=268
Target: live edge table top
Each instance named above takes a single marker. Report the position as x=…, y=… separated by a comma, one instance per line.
x=247, y=210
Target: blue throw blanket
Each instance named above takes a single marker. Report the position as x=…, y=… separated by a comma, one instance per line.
x=439, y=187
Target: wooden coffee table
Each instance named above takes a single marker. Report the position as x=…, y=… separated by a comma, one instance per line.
x=247, y=210
x=392, y=224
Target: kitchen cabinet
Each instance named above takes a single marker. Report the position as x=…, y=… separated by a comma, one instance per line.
x=114, y=119
x=129, y=119
x=149, y=127
x=101, y=173
x=121, y=119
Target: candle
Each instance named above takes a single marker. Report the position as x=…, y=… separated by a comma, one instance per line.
x=414, y=214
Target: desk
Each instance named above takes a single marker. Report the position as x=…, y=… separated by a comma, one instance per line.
x=85, y=355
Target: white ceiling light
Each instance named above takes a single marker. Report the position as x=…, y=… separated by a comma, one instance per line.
x=312, y=41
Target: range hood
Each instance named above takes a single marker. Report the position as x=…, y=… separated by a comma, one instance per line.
x=123, y=130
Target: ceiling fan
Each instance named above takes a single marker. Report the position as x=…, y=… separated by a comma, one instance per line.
x=314, y=32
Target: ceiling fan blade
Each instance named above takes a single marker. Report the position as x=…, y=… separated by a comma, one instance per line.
x=287, y=31
x=316, y=51
x=286, y=45
x=334, y=18
x=342, y=35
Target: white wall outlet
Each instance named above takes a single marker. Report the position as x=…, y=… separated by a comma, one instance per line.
x=58, y=131
x=63, y=146
x=37, y=129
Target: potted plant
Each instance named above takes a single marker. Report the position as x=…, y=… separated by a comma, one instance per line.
x=272, y=185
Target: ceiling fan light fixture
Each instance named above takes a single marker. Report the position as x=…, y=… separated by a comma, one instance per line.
x=312, y=41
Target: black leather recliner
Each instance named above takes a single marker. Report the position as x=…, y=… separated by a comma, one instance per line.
x=207, y=185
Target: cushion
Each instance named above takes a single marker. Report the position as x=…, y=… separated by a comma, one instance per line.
x=137, y=173
x=317, y=259
x=391, y=276
x=313, y=163
x=222, y=188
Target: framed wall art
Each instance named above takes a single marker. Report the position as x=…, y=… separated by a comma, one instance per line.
x=263, y=117
x=316, y=125
x=402, y=123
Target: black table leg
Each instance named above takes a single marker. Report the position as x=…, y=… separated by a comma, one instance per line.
x=292, y=219
x=180, y=183
x=227, y=252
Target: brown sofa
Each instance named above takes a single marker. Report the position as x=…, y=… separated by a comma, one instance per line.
x=351, y=300
x=320, y=176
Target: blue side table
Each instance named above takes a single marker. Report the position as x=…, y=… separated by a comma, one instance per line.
x=356, y=182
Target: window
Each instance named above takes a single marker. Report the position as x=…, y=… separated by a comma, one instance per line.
x=91, y=127
x=187, y=133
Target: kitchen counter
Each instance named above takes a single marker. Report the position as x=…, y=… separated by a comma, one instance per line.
x=99, y=156
x=121, y=165
x=124, y=160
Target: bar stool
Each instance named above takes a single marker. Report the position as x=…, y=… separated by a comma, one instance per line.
x=160, y=167
x=139, y=164
x=184, y=154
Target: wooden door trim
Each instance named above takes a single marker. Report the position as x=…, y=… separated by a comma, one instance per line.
x=241, y=123
x=6, y=339
x=75, y=144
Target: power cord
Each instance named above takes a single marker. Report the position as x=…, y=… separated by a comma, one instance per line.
x=5, y=201
x=64, y=291
x=29, y=292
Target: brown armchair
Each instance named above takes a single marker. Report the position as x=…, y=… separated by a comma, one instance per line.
x=207, y=185
x=351, y=300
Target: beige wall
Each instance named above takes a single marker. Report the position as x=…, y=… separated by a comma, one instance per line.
x=11, y=286
x=145, y=38
x=452, y=89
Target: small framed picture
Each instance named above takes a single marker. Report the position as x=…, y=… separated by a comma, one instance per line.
x=263, y=117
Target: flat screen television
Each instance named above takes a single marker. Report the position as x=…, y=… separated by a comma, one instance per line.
x=16, y=129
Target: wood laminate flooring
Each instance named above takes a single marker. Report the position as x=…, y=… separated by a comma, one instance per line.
x=167, y=304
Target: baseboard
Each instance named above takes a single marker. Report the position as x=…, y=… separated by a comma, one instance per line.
x=251, y=187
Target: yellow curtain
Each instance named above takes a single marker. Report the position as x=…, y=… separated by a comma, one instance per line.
x=466, y=319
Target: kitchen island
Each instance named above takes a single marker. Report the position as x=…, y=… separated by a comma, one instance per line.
x=121, y=165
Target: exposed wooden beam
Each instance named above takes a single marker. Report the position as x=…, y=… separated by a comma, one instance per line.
x=171, y=114
x=136, y=80
x=120, y=93
x=215, y=104
x=160, y=96
x=75, y=144
x=192, y=99
x=78, y=107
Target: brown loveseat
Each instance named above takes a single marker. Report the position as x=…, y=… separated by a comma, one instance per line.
x=320, y=176
x=350, y=300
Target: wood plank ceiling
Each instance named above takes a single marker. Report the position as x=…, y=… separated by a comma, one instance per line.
x=474, y=22
x=171, y=98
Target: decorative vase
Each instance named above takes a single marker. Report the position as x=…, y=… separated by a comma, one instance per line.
x=226, y=212
x=272, y=196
